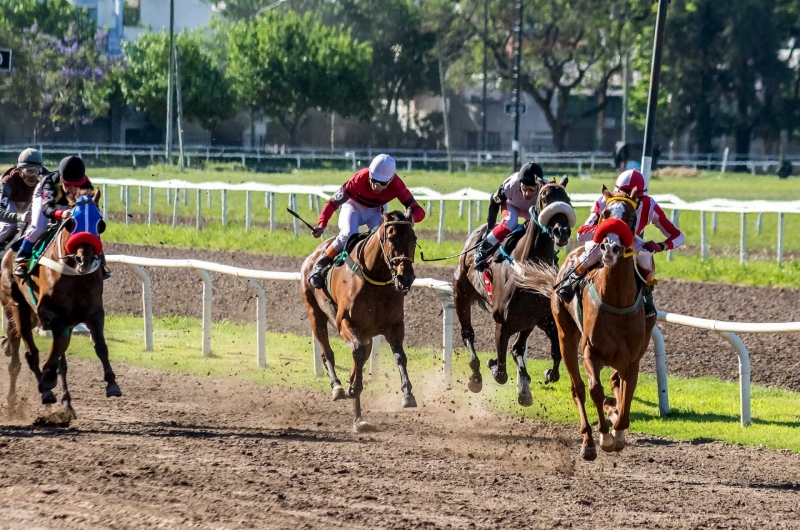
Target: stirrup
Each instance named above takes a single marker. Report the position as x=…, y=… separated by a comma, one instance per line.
x=106, y=272
x=21, y=269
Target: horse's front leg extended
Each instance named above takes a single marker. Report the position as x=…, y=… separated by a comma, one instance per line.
x=463, y=306
x=66, y=399
x=11, y=349
x=628, y=380
x=395, y=340
x=551, y=375
x=498, y=366
x=593, y=366
x=96, y=325
x=360, y=355
x=518, y=349
x=61, y=339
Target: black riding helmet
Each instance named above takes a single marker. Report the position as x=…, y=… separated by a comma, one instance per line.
x=530, y=174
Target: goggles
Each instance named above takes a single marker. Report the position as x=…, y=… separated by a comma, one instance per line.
x=377, y=184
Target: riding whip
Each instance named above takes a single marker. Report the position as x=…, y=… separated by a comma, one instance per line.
x=297, y=215
x=422, y=254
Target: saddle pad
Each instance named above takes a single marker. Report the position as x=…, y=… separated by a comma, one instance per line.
x=487, y=281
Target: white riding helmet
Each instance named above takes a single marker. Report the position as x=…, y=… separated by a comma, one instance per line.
x=382, y=168
x=629, y=179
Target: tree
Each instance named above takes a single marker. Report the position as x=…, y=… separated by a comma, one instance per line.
x=205, y=91
x=287, y=64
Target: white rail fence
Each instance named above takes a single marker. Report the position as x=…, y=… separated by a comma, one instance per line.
x=471, y=198
x=443, y=290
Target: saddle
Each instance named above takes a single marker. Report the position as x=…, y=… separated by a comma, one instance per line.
x=341, y=259
x=503, y=252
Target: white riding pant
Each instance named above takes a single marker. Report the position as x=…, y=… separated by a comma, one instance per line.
x=353, y=215
x=510, y=216
x=7, y=229
x=39, y=222
x=591, y=255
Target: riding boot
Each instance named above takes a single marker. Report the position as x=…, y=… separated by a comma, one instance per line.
x=649, y=304
x=483, y=254
x=567, y=290
x=317, y=278
x=104, y=266
x=23, y=257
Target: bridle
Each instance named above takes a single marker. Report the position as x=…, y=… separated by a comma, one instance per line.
x=540, y=205
x=392, y=263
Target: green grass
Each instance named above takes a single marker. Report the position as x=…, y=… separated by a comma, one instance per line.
x=702, y=409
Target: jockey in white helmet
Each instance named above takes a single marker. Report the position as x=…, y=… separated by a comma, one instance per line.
x=647, y=211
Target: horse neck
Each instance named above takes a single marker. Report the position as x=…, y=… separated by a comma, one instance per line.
x=616, y=284
x=534, y=244
x=371, y=256
x=57, y=247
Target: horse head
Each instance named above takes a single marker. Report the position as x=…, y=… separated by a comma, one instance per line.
x=398, y=244
x=617, y=221
x=83, y=244
x=554, y=211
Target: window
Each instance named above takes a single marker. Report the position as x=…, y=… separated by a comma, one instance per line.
x=472, y=140
x=493, y=141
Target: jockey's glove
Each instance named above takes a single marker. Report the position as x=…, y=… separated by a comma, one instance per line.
x=653, y=247
x=24, y=217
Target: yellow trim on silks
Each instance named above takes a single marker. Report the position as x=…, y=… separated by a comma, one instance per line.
x=624, y=199
x=628, y=252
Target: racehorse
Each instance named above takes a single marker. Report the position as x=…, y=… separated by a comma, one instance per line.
x=614, y=329
x=63, y=290
x=515, y=311
x=364, y=299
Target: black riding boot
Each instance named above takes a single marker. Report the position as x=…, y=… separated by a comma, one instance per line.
x=317, y=278
x=567, y=290
x=483, y=254
x=649, y=304
x=104, y=266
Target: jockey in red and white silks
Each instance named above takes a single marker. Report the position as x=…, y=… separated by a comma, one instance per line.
x=515, y=197
x=648, y=211
x=362, y=201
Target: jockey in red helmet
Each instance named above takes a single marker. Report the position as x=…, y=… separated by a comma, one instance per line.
x=647, y=211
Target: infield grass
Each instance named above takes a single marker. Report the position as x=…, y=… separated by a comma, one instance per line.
x=703, y=409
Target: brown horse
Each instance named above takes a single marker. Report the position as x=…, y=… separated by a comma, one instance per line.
x=615, y=330
x=64, y=290
x=366, y=300
x=515, y=311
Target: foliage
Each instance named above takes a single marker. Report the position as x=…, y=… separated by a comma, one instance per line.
x=53, y=17
x=205, y=91
x=288, y=64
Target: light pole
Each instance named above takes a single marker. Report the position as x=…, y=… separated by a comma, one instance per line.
x=652, y=101
x=517, y=77
x=170, y=78
x=484, y=143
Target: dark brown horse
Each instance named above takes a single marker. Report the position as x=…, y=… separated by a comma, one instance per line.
x=515, y=311
x=366, y=300
x=64, y=291
x=614, y=329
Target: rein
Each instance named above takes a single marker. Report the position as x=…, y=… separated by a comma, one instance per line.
x=390, y=262
x=611, y=309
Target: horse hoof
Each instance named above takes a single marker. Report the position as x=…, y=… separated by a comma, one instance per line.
x=551, y=376
x=338, y=393
x=619, y=440
x=501, y=378
x=525, y=400
x=607, y=442
x=362, y=426
x=474, y=386
x=112, y=390
x=589, y=453
x=409, y=402
x=48, y=398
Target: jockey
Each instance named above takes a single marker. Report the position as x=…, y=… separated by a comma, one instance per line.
x=50, y=203
x=647, y=211
x=363, y=200
x=516, y=196
x=16, y=193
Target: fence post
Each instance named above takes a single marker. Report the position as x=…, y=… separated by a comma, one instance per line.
x=169, y=196
x=150, y=206
x=185, y=197
x=703, y=237
x=744, y=375
x=261, y=324
x=271, y=211
x=725, y=160
x=446, y=298
x=140, y=195
x=461, y=209
x=676, y=217
x=479, y=212
x=408, y=165
x=207, y=293
x=199, y=222
x=208, y=198
x=293, y=206
x=224, y=207
x=175, y=209
x=743, y=238
x=105, y=201
x=147, y=304
x=440, y=234
x=353, y=154
x=714, y=217
x=759, y=222
x=127, y=205
x=469, y=218
x=318, y=204
x=375, y=359
x=780, y=239
x=247, y=211
x=122, y=194
x=133, y=160
x=660, y=352
x=298, y=161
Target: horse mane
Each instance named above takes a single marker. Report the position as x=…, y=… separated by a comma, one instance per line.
x=396, y=216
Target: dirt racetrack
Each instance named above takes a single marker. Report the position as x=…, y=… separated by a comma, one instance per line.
x=775, y=358
x=180, y=451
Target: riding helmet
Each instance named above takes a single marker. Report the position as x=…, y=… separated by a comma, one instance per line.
x=382, y=168
x=531, y=174
x=629, y=179
x=72, y=171
x=30, y=158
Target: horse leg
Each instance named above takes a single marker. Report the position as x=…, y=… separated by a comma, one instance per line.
x=463, y=304
x=96, y=325
x=11, y=349
x=568, y=338
x=551, y=375
x=627, y=388
x=610, y=403
x=66, y=399
x=395, y=340
x=498, y=366
x=61, y=339
x=593, y=366
x=524, y=396
x=360, y=355
x=319, y=328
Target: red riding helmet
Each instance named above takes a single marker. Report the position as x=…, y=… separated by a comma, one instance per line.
x=629, y=179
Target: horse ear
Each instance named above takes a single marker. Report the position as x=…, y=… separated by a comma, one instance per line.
x=96, y=195
x=634, y=193
x=408, y=216
x=606, y=193
x=564, y=181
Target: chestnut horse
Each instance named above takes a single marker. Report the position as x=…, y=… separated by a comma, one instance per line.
x=366, y=300
x=615, y=330
x=515, y=311
x=63, y=291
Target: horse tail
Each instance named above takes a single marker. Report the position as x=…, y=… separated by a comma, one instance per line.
x=538, y=277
